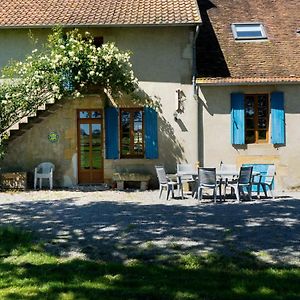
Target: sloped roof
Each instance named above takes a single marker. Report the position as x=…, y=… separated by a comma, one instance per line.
x=42, y=13
x=223, y=59
x=248, y=80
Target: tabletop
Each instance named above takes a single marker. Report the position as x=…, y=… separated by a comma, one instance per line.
x=219, y=173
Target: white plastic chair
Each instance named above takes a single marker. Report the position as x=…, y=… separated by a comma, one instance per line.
x=166, y=182
x=44, y=171
x=228, y=168
x=186, y=171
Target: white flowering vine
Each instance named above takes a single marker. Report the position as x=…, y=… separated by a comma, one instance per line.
x=67, y=66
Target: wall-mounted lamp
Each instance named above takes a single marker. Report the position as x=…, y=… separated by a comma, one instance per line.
x=175, y=115
x=180, y=98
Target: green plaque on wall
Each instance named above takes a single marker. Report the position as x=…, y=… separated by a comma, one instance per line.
x=53, y=137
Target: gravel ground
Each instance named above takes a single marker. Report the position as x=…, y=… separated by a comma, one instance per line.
x=123, y=225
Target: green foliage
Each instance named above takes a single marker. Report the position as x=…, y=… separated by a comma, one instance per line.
x=29, y=272
x=3, y=140
x=67, y=66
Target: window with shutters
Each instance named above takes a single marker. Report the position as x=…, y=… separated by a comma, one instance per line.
x=257, y=111
x=131, y=133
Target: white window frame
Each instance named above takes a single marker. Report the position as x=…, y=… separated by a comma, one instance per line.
x=249, y=38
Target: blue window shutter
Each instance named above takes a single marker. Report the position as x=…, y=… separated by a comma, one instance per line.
x=111, y=132
x=151, y=141
x=278, y=118
x=237, y=119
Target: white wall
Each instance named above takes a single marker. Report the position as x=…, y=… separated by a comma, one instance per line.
x=216, y=146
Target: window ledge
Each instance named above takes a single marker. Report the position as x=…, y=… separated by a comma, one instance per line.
x=260, y=149
x=248, y=40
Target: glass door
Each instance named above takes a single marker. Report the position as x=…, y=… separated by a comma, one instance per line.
x=90, y=146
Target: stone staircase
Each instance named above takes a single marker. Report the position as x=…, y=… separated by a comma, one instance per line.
x=28, y=122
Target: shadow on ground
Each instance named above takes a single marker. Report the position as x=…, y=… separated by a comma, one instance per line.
x=109, y=230
x=28, y=272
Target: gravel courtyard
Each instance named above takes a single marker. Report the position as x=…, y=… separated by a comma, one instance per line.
x=123, y=225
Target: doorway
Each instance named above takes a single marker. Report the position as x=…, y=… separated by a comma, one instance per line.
x=90, y=146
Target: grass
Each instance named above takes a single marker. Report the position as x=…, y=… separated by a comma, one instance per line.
x=29, y=272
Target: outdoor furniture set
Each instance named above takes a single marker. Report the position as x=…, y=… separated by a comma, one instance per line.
x=218, y=180
x=240, y=182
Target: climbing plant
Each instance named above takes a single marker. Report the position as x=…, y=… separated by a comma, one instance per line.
x=66, y=66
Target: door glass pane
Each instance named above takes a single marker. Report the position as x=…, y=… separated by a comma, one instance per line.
x=96, y=146
x=125, y=121
x=262, y=135
x=250, y=137
x=138, y=149
x=125, y=144
x=138, y=133
x=250, y=123
x=138, y=116
x=262, y=123
x=125, y=139
x=137, y=122
x=84, y=114
x=262, y=112
x=249, y=106
x=96, y=114
x=262, y=104
x=84, y=146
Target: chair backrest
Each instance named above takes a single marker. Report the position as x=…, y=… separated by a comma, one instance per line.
x=184, y=168
x=207, y=176
x=228, y=167
x=45, y=167
x=188, y=169
x=245, y=176
x=161, y=174
x=270, y=174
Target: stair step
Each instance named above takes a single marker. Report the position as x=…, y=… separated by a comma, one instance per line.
x=25, y=126
x=51, y=101
x=24, y=120
x=16, y=133
x=36, y=120
x=42, y=107
x=42, y=112
x=54, y=107
x=17, y=125
x=14, y=127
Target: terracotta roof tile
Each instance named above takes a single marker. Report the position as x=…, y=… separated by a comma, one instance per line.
x=30, y=13
x=221, y=56
x=248, y=80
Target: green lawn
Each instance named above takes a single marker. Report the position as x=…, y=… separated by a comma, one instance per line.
x=28, y=272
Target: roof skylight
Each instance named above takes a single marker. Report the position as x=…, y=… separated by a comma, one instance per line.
x=248, y=31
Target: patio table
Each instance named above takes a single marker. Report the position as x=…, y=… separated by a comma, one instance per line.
x=220, y=173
